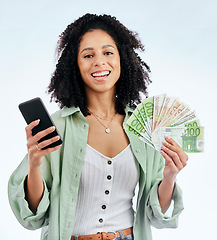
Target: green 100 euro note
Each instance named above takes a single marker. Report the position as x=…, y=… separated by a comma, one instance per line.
x=189, y=137
x=151, y=124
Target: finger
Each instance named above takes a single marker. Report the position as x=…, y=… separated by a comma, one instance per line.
x=49, y=150
x=167, y=158
x=171, y=141
x=37, y=152
x=43, y=133
x=169, y=163
x=176, y=148
x=46, y=151
x=170, y=170
x=30, y=127
x=47, y=142
x=174, y=156
x=32, y=141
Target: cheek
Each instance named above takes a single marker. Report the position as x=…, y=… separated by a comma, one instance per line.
x=118, y=67
x=116, y=63
x=83, y=67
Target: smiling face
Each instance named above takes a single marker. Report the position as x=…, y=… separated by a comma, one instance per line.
x=99, y=62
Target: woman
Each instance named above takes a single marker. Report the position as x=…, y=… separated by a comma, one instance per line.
x=84, y=188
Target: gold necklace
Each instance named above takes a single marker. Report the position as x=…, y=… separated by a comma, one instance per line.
x=107, y=129
x=106, y=119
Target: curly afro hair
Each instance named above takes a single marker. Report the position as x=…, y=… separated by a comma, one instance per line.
x=67, y=87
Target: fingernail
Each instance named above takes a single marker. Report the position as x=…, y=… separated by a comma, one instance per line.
x=38, y=120
x=52, y=128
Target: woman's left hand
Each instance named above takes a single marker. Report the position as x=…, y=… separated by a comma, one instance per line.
x=175, y=158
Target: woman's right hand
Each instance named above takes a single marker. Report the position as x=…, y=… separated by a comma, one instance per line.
x=34, y=148
x=34, y=184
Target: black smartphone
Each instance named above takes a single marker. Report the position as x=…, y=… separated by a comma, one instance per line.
x=35, y=109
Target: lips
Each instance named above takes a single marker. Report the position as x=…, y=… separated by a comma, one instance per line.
x=100, y=74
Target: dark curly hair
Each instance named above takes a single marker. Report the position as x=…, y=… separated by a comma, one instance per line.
x=67, y=87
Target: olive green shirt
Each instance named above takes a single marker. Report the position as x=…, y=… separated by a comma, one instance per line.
x=61, y=172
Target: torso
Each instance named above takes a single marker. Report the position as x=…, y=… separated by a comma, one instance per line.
x=108, y=144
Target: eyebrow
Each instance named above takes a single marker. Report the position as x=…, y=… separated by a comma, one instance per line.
x=89, y=48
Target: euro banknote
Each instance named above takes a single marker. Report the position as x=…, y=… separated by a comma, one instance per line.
x=162, y=115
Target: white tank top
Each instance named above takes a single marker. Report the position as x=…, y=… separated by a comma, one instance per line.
x=106, y=190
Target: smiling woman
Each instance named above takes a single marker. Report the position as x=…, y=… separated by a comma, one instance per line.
x=67, y=86
x=84, y=189
x=99, y=62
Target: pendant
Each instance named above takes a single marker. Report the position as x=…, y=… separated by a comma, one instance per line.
x=107, y=130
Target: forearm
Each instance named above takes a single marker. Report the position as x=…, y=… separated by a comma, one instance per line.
x=175, y=160
x=165, y=192
x=34, y=188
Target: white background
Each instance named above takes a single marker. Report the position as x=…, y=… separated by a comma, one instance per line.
x=180, y=38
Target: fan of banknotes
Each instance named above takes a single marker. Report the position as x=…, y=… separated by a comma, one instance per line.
x=162, y=115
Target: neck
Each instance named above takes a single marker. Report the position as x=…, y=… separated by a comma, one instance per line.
x=102, y=104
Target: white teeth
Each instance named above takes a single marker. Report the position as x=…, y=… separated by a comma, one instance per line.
x=100, y=74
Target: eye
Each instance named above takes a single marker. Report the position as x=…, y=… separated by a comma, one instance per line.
x=88, y=56
x=109, y=53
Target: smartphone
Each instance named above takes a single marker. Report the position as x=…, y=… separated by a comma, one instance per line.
x=35, y=109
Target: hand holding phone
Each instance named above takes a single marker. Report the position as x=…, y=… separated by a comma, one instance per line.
x=33, y=110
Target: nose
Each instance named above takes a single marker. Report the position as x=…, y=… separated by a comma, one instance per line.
x=99, y=61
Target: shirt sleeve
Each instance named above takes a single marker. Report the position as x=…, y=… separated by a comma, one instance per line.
x=18, y=203
x=153, y=208
x=154, y=213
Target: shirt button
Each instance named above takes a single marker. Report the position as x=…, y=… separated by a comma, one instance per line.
x=84, y=125
x=109, y=162
x=101, y=220
x=138, y=150
x=103, y=206
x=106, y=192
x=109, y=177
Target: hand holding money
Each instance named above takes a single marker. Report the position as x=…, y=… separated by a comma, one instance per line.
x=175, y=158
x=160, y=116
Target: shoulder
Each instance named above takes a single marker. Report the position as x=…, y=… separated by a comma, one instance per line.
x=58, y=121
x=62, y=116
x=129, y=110
x=56, y=115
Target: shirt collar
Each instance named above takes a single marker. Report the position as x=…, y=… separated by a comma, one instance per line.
x=128, y=110
x=70, y=111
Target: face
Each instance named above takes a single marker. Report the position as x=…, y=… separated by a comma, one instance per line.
x=99, y=61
